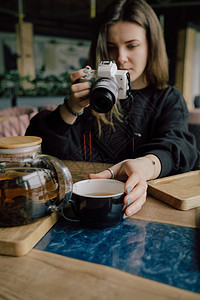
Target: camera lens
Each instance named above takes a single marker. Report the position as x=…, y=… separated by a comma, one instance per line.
x=102, y=100
x=104, y=95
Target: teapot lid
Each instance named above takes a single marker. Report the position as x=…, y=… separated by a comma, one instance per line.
x=14, y=142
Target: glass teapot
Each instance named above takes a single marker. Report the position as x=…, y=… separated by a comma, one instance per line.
x=32, y=185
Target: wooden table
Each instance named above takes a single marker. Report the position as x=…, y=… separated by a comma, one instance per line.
x=153, y=210
x=42, y=275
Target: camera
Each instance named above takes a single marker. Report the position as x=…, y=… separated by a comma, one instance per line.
x=109, y=84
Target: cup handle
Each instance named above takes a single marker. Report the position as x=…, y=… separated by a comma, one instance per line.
x=71, y=201
x=68, y=219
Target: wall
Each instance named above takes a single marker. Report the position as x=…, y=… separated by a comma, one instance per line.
x=52, y=55
x=31, y=101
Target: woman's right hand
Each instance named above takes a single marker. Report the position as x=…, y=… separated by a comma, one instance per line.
x=79, y=97
x=80, y=91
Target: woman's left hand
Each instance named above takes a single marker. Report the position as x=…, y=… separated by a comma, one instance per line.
x=131, y=170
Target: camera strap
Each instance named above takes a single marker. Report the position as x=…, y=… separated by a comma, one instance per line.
x=129, y=94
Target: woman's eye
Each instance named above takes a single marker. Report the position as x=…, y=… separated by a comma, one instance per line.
x=132, y=46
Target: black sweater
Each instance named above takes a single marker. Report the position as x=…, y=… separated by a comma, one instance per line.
x=155, y=121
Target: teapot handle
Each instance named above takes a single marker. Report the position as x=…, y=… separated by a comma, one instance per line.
x=65, y=182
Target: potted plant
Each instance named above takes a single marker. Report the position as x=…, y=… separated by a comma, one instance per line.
x=22, y=89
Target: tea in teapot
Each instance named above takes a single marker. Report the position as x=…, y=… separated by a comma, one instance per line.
x=32, y=185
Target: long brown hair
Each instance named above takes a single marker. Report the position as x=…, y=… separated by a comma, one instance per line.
x=139, y=12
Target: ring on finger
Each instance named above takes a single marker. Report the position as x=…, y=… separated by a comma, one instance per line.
x=112, y=173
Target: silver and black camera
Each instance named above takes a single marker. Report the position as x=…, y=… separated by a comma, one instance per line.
x=109, y=84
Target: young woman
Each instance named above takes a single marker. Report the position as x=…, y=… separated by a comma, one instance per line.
x=145, y=136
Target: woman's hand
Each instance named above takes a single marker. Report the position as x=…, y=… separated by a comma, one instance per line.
x=79, y=97
x=80, y=91
x=135, y=172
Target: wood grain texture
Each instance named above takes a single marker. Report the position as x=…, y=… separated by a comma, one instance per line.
x=184, y=63
x=45, y=276
x=81, y=169
x=180, y=191
x=41, y=275
x=19, y=142
x=19, y=240
x=25, y=51
x=154, y=210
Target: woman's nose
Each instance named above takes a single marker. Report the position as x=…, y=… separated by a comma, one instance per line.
x=122, y=56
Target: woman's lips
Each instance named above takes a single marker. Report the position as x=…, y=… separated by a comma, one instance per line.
x=126, y=69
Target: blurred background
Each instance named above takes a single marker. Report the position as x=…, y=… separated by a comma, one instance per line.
x=43, y=41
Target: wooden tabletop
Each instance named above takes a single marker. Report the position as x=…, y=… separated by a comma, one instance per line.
x=153, y=209
x=42, y=275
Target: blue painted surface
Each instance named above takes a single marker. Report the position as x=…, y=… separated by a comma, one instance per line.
x=37, y=102
x=166, y=253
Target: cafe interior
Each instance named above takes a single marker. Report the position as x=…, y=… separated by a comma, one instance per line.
x=155, y=253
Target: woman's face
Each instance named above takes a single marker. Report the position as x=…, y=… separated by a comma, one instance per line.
x=128, y=47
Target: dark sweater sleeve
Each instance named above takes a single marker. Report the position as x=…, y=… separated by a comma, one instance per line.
x=53, y=130
x=171, y=141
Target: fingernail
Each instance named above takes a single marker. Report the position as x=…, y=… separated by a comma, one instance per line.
x=130, y=212
x=125, y=216
x=86, y=70
x=128, y=201
x=128, y=189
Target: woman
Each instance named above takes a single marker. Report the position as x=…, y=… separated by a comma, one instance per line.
x=146, y=135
